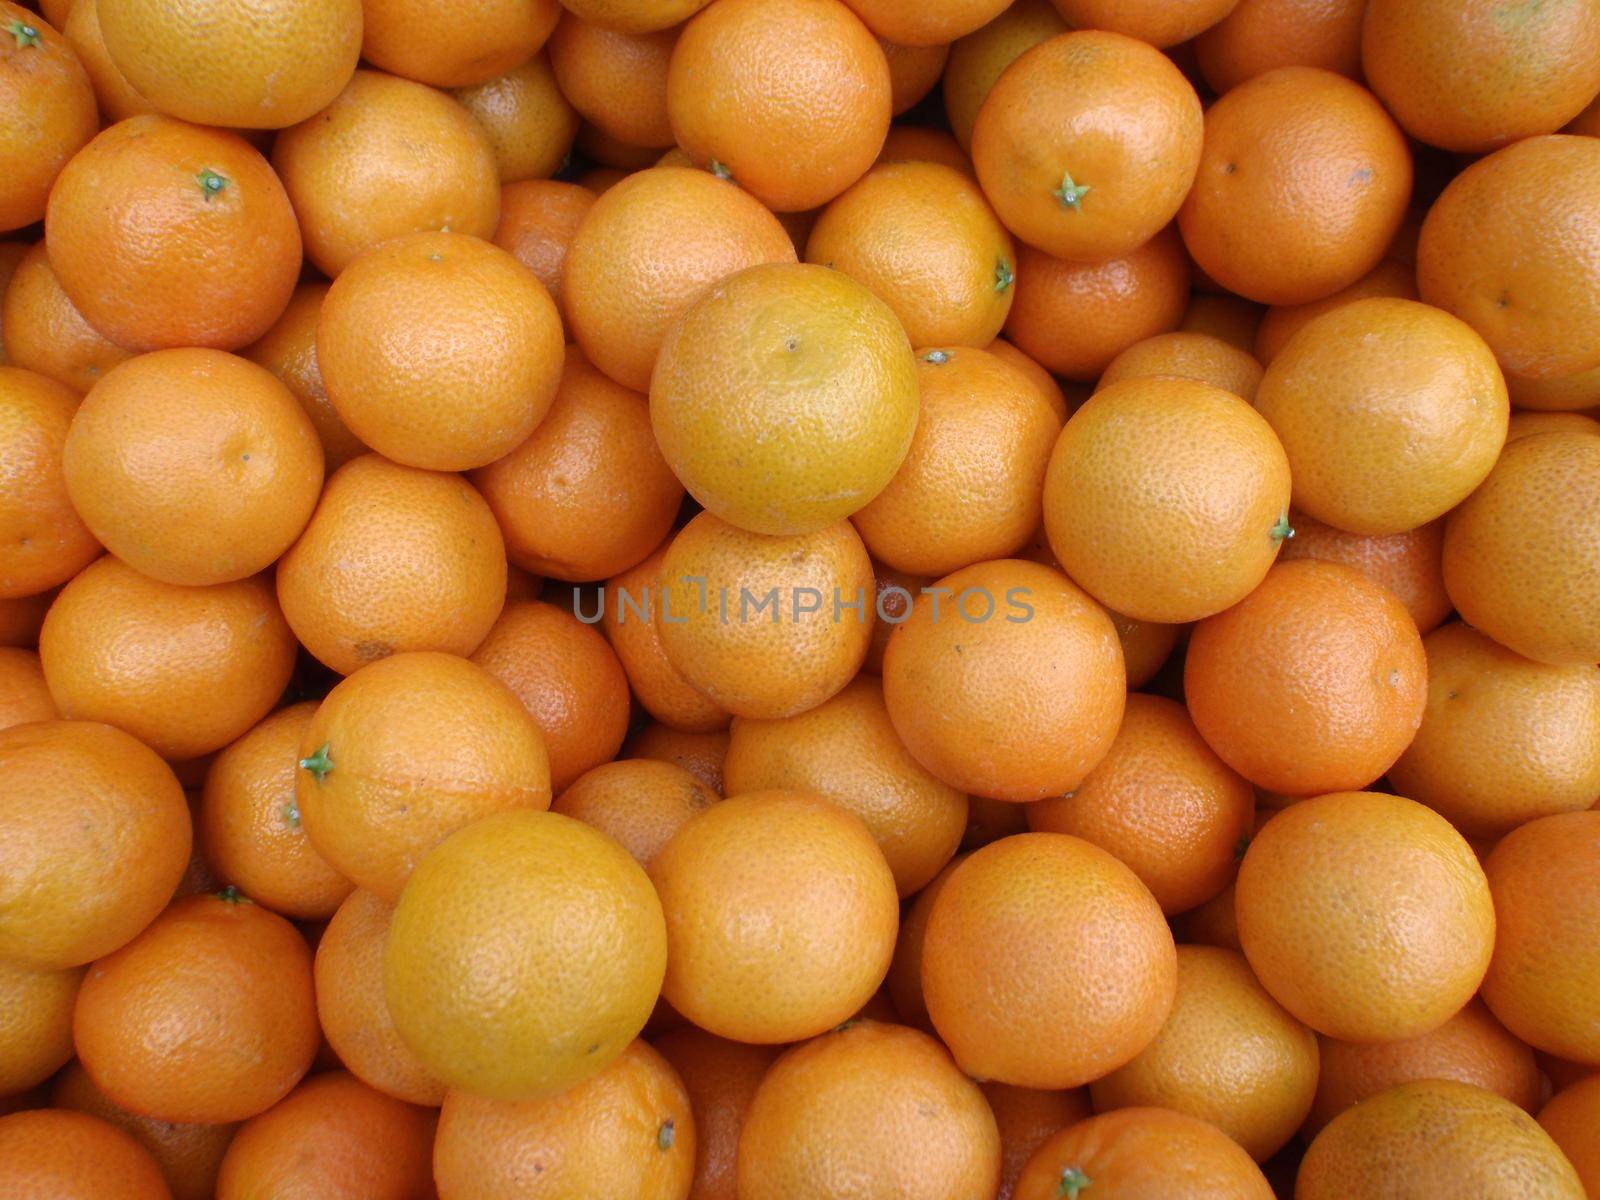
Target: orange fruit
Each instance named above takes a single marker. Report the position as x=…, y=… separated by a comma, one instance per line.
x=118, y=99
x=24, y=695
x=1044, y=382
x=36, y=1031
x=1108, y=506
x=426, y=391
x=1503, y=740
x=48, y=1154
x=789, y=97
x=42, y=540
x=647, y=250
x=205, y=1017
x=978, y=58
x=20, y=619
x=1272, y=215
x=934, y=25
x=922, y=237
x=873, y=1104
x=1228, y=1054
x=781, y=916
x=193, y=466
x=639, y=802
x=435, y=42
x=189, y=1156
x=420, y=561
x=616, y=80
x=627, y=1131
x=74, y=783
x=351, y=1007
x=538, y=218
x=845, y=750
x=1571, y=1118
x=1436, y=1138
x=1014, y=690
x=1390, y=278
x=1539, y=984
x=1146, y=646
x=386, y=157
x=1196, y=356
x=1507, y=247
x=1525, y=423
x=1409, y=564
x=720, y=1078
x=530, y=124
x=1142, y=1154
x=1366, y=916
x=1558, y=393
x=47, y=91
x=914, y=71
x=895, y=593
x=825, y=406
x=1258, y=35
x=633, y=604
x=970, y=487
x=1471, y=77
x=332, y=1137
x=1026, y=1117
x=1314, y=682
x=524, y=955
x=904, y=981
x=1086, y=144
x=635, y=16
x=1159, y=22
x=1108, y=305
x=700, y=754
x=797, y=623
x=11, y=254
x=1517, y=562
x=45, y=332
x=1471, y=1047
x=1163, y=803
x=905, y=143
x=1046, y=963
x=1230, y=318
x=406, y=751
x=167, y=235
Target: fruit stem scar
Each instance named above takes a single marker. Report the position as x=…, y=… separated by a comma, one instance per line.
x=937, y=357
x=211, y=184
x=232, y=895
x=1073, y=1181
x=1069, y=193
x=319, y=764
x=1003, y=275
x=1282, y=531
x=666, y=1135
x=720, y=170
x=25, y=34
x=291, y=814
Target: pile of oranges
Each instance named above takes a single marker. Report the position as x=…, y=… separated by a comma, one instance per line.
x=799, y=599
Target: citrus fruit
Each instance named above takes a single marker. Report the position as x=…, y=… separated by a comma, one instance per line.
x=36, y=1031
x=43, y=542
x=45, y=332
x=24, y=695
x=118, y=99
x=1409, y=564
x=1570, y=1119
x=914, y=71
x=45, y=88
x=700, y=754
x=1258, y=35
x=1026, y=1117
x=639, y=802
x=440, y=43
x=538, y=218
x=531, y=126
x=1198, y=356
x=1159, y=22
x=978, y=58
x=617, y=80
x=721, y=1078
x=50, y=1153
x=635, y=16
x=1391, y=278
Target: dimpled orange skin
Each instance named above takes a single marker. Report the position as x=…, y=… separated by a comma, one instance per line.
x=24, y=695
x=1162, y=23
x=635, y=16
x=1519, y=559
x=185, y=670
x=49, y=1154
x=700, y=754
x=1561, y=393
x=439, y=350
x=538, y=219
x=628, y=1131
x=1228, y=1054
x=634, y=606
x=1231, y=318
x=45, y=332
x=791, y=97
x=977, y=59
x=616, y=80
x=971, y=485
x=1315, y=682
x=1046, y=963
x=846, y=751
x=193, y=466
x=746, y=663
x=1177, y=534
x=1436, y=1138
x=1258, y=35
x=1409, y=564
x=1366, y=916
x=351, y=1008
x=118, y=99
x=525, y=956
x=874, y=1111
x=1571, y=1118
x=1016, y=707
x=1096, y=111
x=785, y=397
x=721, y=1078
x=639, y=802
x=1049, y=390
x=70, y=780
x=36, y=1030
x=1163, y=803
x=933, y=25
x=1391, y=277
x=1198, y=356
x=530, y=124
x=1471, y=77
x=387, y=157
x=924, y=239
x=45, y=89
x=1143, y=1154
x=914, y=71
x=647, y=250
x=1504, y=740
x=1540, y=983
x=165, y=234
x=1074, y=318
x=406, y=751
x=438, y=43
x=1026, y=1118
x=781, y=916
x=1524, y=424
x=289, y=351
x=43, y=542
x=1471, y=1047
x=1302, y=184
x=1512, y=247
x=205, y=1017
x=421, y=566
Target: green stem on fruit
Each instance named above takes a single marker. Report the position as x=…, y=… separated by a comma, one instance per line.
x=291, y=814
x=26, y=35
x=319, y=764
x=211, y=184
x=1069, y=193
x=720, y=170
x=666, y=1135
x=1282, y=531
x=1004, y=276
x=937, y=357
x=1073, y=1181
x=232, y=895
